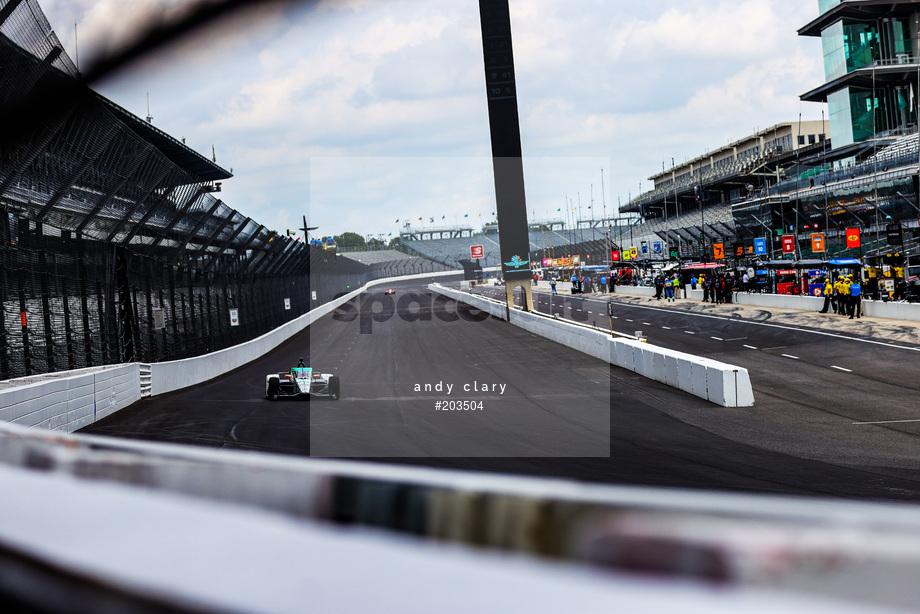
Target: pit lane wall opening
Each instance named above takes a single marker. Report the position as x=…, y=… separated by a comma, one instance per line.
x=723, y=384
x=176, y=374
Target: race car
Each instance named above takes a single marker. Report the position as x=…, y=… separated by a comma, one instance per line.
x=301, y=381
x=389, y=291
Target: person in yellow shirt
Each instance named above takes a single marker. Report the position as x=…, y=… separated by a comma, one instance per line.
x=846, y=305
x=828, y=296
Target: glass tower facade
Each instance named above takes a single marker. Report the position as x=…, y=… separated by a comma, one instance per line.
x=856, y=113
x=826, y=5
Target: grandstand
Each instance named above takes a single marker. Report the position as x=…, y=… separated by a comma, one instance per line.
x=544, y=237
x=114, y=247
x=714, y=223
x=391, y=262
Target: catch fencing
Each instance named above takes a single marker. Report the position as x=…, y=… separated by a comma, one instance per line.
x=113, y=244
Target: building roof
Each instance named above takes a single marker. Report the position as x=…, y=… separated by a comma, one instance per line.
x=863, y=78
x=177, y=152
x=861, y=10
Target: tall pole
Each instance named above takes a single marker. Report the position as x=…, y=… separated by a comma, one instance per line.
x=507, y=155
x=824, y=180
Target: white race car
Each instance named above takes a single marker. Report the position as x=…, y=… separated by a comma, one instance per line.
x=301, y=381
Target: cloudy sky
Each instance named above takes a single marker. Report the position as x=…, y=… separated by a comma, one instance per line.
x=357, y=113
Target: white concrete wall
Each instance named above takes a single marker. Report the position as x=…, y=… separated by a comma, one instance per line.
x=723, y=384
x=877, y=309
x=70, y=400
x=564, y=287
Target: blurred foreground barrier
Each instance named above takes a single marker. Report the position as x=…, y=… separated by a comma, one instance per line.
x=723, y=384
x=863, y=552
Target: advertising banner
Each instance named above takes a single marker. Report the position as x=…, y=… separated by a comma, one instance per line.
x=788, y=244
x=894, y=233
x=853, y=237
x=817, y=242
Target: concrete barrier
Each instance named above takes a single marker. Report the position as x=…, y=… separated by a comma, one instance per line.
x=877, y=309
x=564, y=287
x=71, y=400
x=723, y=384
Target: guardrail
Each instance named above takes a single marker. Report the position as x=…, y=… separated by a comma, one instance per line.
x=721, y=383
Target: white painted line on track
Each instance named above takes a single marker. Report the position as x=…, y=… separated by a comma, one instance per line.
x=888, y=422
x=717, y=338
x=628, y=320
x=647, y=323
x=750, y=347
x=791, y=356
x=666, y=327
x=841, y=369
x=689, y=332
x=782, y=326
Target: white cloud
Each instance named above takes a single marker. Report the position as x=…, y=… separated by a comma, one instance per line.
x=622, y=86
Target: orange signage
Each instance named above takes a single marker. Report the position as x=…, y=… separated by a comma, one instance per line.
x=718, y=251
x=817, y=242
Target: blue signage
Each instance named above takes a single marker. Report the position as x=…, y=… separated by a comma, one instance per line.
x=760, y=246
x=656, y=247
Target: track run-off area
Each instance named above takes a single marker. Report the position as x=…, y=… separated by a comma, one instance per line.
x=835, y=411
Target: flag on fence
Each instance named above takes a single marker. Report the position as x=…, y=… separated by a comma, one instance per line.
x=853, y=237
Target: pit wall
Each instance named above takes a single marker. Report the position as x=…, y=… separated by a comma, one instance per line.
x=721, y=383
x=67, y=401
x=565, y=287
x=876, y=309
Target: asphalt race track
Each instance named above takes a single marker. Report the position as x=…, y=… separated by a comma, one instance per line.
x=834, y=414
